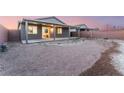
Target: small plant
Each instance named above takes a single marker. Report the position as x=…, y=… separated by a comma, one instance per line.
x=3, y=48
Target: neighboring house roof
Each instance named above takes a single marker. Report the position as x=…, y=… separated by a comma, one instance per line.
x=51, y=20
x=82, y=26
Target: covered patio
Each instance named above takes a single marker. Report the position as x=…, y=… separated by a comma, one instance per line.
x=51, y=34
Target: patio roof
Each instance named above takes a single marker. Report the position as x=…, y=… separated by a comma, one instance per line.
x=51, y=19
x=47, y=23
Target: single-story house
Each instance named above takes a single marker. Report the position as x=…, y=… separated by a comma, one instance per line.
x=45, y=29
x=83, y=27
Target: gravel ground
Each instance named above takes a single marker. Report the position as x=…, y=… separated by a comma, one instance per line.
x=118, y=58
x=104, y=66
x=52, y=59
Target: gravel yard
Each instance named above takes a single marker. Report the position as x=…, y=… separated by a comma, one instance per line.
x=70, y=57
x=104, y=66
x=118, y=58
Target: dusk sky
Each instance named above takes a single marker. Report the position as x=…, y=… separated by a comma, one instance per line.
x=10, y=22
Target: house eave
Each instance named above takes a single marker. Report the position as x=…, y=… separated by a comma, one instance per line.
x=40, y=22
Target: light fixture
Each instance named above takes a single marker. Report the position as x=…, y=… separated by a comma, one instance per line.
x=51, y=29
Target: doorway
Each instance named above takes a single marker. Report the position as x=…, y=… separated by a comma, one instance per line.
x=47, y=32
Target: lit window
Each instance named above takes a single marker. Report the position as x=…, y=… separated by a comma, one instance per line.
x=59, y=31
x=32, y=30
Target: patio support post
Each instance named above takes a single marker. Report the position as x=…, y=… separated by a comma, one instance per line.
x=26, y=32
x=69, y=32
x=78, y=32
x=19, y=24
x=54, y=32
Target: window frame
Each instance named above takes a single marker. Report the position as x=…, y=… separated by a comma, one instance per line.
x=32, y=30
x=59, y=31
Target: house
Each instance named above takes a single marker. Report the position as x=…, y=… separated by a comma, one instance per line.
x=84, y=27
x=45, y=29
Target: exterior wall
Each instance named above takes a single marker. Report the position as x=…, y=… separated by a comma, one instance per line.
x=65, y=33
x=38, y=35
x=3, y=34
x=103, y=34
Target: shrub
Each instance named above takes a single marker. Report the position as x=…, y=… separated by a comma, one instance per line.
x=3, y=48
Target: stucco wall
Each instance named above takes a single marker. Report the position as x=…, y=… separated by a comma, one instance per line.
x=3, y=34
x=65, y=33
x=36, y=36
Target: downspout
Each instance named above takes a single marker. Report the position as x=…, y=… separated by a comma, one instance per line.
x=54, y=32
x=69, y=32
x=26, y=32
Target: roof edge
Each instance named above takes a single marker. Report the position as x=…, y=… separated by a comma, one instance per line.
x=51, y=17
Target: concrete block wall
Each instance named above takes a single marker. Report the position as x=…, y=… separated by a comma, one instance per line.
x=103, y=34
x=3, y=34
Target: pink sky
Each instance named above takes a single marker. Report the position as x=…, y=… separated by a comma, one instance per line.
x=11, y=22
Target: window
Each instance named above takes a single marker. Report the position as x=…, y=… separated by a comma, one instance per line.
x=46, y=30
x=32, y=30
x=59, y=31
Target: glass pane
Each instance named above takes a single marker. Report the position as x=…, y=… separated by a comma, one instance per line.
x=32, y=30
x=59, y=31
